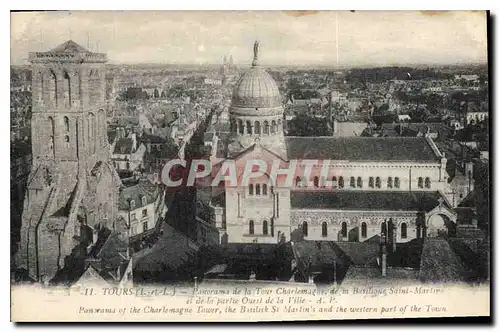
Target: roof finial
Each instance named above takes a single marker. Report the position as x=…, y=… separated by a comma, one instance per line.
x=255, y=61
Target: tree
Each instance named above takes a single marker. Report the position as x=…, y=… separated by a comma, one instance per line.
x=305, y=125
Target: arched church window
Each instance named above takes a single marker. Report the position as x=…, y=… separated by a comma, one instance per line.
x=241, y=130
x=370, y=182
x=66, y=123
x=341, y=182
x=389, y=182
x=257, y=128
x=363, y=229
x=266, y=128
x=67, y=90
x=420, y=182
x=52, y=88
x=316, y=182
x=249, y=127
x=257, y=189
x=324, y=229
x=353, y=182
x=273, y=127
x=377, y=182
x=305, y=229
x=343, y=231
x=396, y=182
x=334, y=182
x=250, y=189
x=251, y=227
x=232, y=124
x=66, y=139
x=265, y=230
x=427, y=182
x=360, y=182
x=264, y=189
x=404, y=230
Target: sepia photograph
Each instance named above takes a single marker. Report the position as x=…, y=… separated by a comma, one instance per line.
x=249, y=166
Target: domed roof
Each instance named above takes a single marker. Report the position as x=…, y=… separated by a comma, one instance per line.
x=256, y=88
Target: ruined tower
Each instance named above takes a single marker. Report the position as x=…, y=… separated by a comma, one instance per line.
x=72, y=190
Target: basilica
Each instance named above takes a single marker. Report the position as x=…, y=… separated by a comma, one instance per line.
x=390, y=186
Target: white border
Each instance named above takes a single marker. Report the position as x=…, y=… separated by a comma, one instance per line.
x=193, y=5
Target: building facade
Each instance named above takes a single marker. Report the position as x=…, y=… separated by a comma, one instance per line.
x=343, y=188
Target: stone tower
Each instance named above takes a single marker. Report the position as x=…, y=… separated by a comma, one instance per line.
x=72, y=190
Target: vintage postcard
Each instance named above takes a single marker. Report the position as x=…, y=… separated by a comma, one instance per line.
x=249, y=165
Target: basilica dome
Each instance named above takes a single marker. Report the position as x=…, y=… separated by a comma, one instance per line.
x=256, y=89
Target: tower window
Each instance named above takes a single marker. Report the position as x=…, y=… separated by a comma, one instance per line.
x=305, y=229
x=377, y=182
x=334, y=182
x=360, y=182
x=297, y=181
x=404, y=231
x=420, y=182
x=264, y=189
x=272, y=227
x=316, y=182
x=66, y=123
x=353, y=182
x=427, y=182
x=67, y=90
x=250, y=189
x=324, y=229
x=396, y=182
x=257, y=189
x=370, y=182
x=363, y=229
x=251, y=227
x=249, y=127
x=343, y=231
x=389, y=182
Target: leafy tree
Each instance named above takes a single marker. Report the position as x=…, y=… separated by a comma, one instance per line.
x=305, y=125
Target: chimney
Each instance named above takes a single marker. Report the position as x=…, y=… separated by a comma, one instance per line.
x=134, y=141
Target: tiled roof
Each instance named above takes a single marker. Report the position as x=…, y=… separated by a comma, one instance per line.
x=365, y=200
x=143, y=188
x=398, y=149
x=440, y=263
x=123, y=146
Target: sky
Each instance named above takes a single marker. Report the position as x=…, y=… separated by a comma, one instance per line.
x=325, y=38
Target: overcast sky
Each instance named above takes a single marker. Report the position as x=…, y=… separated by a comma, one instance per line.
x=364, y=38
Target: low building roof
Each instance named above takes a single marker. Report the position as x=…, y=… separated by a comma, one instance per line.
x=135, y=192
x=365, y=200
x=382, y=149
